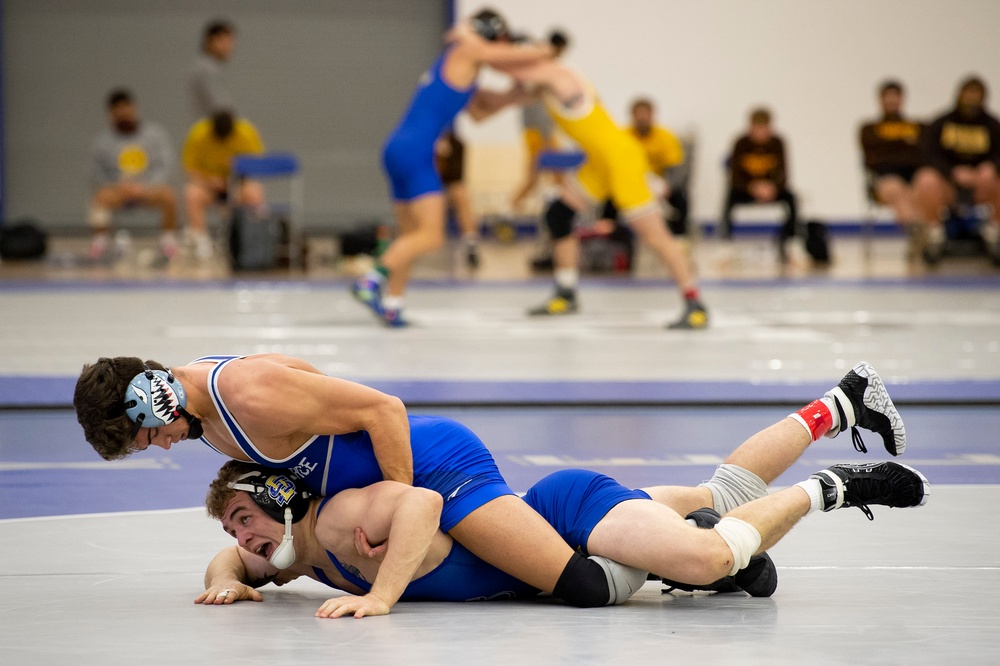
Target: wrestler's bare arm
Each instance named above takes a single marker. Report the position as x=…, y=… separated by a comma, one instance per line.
x=404, y=517
x=284, y=405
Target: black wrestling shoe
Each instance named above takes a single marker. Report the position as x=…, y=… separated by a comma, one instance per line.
x=886, y=483
x=563, y=302
x=758, y=579
x=695, y=317
x=863, y=401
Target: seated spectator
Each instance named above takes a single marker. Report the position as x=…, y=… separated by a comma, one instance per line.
x=758, y=173
x=209, y=150
x=666, y=156
x=208, y=86
x=892, y=154
x=963, y=156
x=131, y=167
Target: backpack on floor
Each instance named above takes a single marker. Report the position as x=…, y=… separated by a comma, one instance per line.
x=23, y=239
x=817, y=241
x=253, y=241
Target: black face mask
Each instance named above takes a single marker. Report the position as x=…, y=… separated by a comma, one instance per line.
x=126, y=126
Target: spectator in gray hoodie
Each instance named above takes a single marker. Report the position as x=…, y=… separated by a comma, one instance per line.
x=132, y=165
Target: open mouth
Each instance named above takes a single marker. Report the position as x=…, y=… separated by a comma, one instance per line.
x=264, y=550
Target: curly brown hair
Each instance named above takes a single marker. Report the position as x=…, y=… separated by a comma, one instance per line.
x=219, y=492
x=99, y=400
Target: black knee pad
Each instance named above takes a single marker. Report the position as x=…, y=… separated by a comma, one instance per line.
x=705, y=518
x=583, y=583
x=559, y=219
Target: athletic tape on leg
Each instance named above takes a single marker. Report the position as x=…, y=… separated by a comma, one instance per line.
x=742, y=538
x=734, y=486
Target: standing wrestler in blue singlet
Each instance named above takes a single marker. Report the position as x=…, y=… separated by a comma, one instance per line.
x=282, y=412
x=408, y=155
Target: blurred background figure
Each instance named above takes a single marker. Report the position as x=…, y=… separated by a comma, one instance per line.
x=666, y=155
x=892, y=154
x=450, y=153
x=758, y=173
x=963, y=158
x=132, y=163
x=538, y=131
x=208, y=153
x=208, y=84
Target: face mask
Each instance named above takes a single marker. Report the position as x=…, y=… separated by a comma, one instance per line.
x=195, y=429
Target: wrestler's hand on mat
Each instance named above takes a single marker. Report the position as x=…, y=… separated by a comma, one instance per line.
x=227, y=593
x=365, y=549
x=359, y=606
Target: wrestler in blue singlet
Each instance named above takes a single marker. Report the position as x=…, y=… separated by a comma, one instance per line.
x=408, y=154
x=461, y=576
x=573, y=501
x=447, y=457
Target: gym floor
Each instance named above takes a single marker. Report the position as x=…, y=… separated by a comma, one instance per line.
x=102, y=561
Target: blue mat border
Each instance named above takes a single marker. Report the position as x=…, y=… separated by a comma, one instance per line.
x=57, y=392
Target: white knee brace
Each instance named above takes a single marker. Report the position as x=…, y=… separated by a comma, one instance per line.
x=742, y=538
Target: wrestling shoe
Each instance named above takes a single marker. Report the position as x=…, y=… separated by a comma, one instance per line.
x=562, y=303
x=886, y=483
x=695, y=316
x=862, y=401
x=759, y=578
x=393, y=318
x=368, y=292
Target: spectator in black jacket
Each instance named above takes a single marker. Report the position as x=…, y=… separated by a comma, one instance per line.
x=758, y=173
x=963, y=166
x=893, y=154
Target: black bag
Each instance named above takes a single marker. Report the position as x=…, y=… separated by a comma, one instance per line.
x=817, y=241
x=22, y=240
x=253, y=241
x=362, y=239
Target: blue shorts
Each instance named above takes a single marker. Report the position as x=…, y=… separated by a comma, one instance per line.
x=451, y=459
x=573, y=501
x=411, y=168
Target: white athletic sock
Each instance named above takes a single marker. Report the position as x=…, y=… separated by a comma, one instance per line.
x=815, y=492
x=392, y=302
x=567, y=278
